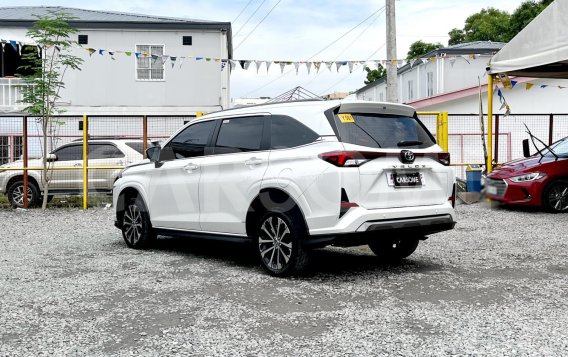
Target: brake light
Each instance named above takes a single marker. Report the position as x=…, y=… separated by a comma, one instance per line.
x=444, y=158
x=344, y=158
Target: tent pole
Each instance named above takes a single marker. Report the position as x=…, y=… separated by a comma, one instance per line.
x=489, y=163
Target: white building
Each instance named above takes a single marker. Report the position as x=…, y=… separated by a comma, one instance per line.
x=113, y=82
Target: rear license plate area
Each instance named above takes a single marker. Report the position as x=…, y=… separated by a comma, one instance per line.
x=405, y=179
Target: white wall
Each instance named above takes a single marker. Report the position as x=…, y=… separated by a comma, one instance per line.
x=108, y=83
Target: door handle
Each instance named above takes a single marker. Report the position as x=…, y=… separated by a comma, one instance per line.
x=253, y=161
x=190, y=167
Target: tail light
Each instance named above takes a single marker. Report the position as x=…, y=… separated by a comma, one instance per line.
x=345, y=158
x=358, y=158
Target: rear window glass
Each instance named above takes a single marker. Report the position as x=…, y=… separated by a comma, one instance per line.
x=383, y=131
x=138, y=146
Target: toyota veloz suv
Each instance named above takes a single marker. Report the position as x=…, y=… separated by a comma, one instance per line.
x=290, y=177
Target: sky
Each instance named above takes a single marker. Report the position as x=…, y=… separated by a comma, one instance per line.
x=296, y=30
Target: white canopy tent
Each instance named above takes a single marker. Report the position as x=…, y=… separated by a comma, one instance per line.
x=540, y=50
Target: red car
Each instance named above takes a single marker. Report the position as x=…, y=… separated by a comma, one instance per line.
x=539, y=180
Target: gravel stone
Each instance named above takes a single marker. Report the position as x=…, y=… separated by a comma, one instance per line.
x=496, y=285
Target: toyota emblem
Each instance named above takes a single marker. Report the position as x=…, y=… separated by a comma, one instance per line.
x=407, y=156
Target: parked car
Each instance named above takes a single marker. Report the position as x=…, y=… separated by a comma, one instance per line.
x=70, y=182
x=293, y=176
x=539, y=180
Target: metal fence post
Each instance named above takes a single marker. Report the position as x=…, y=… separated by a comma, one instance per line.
x=85, y=162
x=489, y=163
x=145, y=135
x=25, y=153
x=445, y=132
x=550, y=128
x=496, y=138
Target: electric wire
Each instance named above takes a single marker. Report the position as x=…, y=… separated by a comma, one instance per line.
x=317, y=53
x=250, y=17
x=346, y=48
x=243, y=10
x=261, y=20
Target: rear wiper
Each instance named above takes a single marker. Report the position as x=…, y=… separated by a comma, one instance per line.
x=409, y=143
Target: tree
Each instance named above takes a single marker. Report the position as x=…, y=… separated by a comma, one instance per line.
x=374, y=74
x=51, y=34
x=420, y=48
x=524, y=14
x=496, y=25
x=456, y=36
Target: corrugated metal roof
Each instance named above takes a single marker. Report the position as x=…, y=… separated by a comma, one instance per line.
x=26, y=13
x=478, y=45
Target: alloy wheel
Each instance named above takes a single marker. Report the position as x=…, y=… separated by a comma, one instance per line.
x=132, y=224
x=18, y=195
x=275, y=243
x=558, y=197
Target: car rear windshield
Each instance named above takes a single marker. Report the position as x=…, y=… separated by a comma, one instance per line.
x=383, y=131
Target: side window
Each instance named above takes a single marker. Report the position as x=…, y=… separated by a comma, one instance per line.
x=192, y=140
x=239, y=135
x=69, y=153
x=286, y=132
x=104, y=151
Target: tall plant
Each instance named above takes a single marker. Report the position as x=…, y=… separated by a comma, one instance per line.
x=45, y=72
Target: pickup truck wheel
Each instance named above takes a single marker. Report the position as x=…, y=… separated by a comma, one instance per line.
x=136, y=227
x=393, y=250
x=278, y=245
x=15, y=194
x=555, y=197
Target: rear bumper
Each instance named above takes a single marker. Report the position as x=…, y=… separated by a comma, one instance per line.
x=415, y=227
x=361, y=220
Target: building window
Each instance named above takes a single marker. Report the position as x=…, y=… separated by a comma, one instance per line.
x=410, y=90
x=11, y=148
x=83, y=39
x=187, y=40
x=381, y=97
x=430, y=83
x=149, y=64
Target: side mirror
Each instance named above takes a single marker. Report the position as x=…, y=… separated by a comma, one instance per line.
x=51, y=157
x=526, y=148
x=153, y=153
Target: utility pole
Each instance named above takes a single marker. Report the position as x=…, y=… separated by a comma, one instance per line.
x=392, y=80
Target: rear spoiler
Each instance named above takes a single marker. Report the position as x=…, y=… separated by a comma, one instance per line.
x=377, y=108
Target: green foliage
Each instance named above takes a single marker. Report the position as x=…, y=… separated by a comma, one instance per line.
x=420, y=48
x=496, y=25
x=44, y=70
x=374, y=74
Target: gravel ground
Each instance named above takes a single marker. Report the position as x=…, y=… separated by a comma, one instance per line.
x=496, y=285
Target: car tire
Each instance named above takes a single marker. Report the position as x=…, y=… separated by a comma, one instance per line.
x=555, y=197
x=136, y=227
x=16, y=197
x=278, y=244
x=394, y=249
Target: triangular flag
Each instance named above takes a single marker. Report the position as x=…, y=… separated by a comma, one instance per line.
x=91, y=51
x=339, y=64
x=101, y=52
x=181, y=61
x=154, y=58
x=297, y=66
x=543, y=86
x=198, y=58
x=472, y=56
x=14, y=44
x=137, y=54
x=173, y=59
x=308, y=66
x=257, y=64
x=267, y=63
x=513, y=83
x=528, y=86
x=317, y=66
x=233, y=64
x=561, y=87
x=504, y=78
x=328, y=64
x=282, y=65
x=164, y=59
x=208, y=59
x=452, y=61
x=128, y=53
x=242, y=63
x=246, y=65
x=350, y=65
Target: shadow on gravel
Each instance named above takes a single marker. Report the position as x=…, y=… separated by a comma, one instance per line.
x=326, y=263
x=509, y=208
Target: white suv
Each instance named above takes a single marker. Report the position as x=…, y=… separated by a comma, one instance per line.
x=290, y=177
